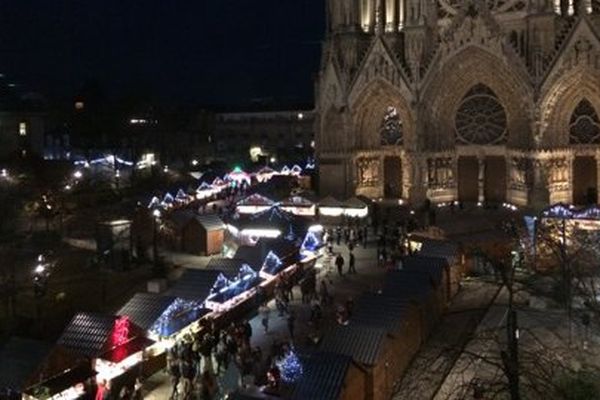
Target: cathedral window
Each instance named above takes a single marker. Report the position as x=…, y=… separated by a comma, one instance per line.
x=391, y=128
x=584, y=127
x=480, y=118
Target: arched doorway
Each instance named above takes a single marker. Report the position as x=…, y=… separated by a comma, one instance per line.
x=392, y=177
x=584, y=128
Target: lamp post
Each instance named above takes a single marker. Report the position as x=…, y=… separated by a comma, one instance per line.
x=155, y=217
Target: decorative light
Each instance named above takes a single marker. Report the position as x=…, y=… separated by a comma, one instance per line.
x=300, y=116
x=39, y=269
x=273, y=160
x=479, y=204
x=290, y=367
x=194, y=162
x=77, y=174
x=156, y=213
x=272, y=264
x=117, y=174
x=120, y=333
x=166, y=169
x=4, y=173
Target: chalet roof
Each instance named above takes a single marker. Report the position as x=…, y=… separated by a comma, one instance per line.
x=355, y=202
x=379, y=311
x=230, y=267
x=440, y=248
x=323, y=377
x=275, y=218
x=87, y=333
x=144, y=309
x=330, y=201
x=194, y=284
x=256, y=199
x=254, y=256
x=409, y=285
x=363, y=344
x=210, y=222
x=434, y=266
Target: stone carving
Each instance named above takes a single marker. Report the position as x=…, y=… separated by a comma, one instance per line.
x=440, y=173
x=368, y=171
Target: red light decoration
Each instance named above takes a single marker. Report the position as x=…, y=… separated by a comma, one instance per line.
x=121, y=331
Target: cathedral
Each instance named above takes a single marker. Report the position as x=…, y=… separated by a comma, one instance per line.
x=477, y=101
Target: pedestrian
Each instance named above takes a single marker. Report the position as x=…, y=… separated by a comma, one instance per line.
x=291, y=322
x=324, y=293
x=338, y=234
x=209, y=386
x=137, y=389
x=339, y=263
x=351, y=264
x=265, y=311
x=247, y=332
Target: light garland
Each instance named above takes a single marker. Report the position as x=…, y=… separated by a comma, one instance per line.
x=272, y=264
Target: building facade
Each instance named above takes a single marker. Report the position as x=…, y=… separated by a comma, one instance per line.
x=281, y=135
x=473, y=100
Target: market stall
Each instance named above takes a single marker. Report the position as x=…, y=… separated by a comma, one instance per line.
x=355, y=208
x=299, y=205
x=254, y=204
x=331, y=207
x=272, y=223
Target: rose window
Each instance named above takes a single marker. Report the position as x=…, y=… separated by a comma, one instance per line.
x=480, y=118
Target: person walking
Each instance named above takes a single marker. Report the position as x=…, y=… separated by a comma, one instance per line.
x=339, y=263
x=291, y=323
x=324, y=293
x=265, y=311
x=352, y=264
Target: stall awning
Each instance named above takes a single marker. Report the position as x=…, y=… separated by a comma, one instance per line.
x=119, y=353
x=144, y=309
x=65, y=380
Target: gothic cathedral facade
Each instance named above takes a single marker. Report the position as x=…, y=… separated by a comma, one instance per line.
x=486, y=101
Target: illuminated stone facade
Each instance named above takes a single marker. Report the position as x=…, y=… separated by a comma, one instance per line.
x=479, y=101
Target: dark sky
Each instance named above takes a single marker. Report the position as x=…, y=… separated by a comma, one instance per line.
x=201, y=51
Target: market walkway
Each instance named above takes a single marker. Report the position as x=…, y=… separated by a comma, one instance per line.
x=368, y=277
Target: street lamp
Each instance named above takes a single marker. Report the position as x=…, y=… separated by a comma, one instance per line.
x=156, y=215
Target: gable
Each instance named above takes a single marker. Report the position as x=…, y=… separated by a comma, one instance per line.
x=379, y=64
x=580, y=49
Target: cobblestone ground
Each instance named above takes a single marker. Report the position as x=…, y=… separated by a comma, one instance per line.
x=369, y=277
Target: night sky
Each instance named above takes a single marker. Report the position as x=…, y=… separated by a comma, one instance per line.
x=184, y=51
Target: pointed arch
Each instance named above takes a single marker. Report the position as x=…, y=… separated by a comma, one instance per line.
x=559, y=101
x=445, y=92
x=584, y=126
x=380, y=99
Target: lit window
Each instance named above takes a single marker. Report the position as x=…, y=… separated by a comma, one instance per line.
x=23, y=128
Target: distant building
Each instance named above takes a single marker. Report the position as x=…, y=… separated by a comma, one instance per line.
x=279, y=135
x=21, y=122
